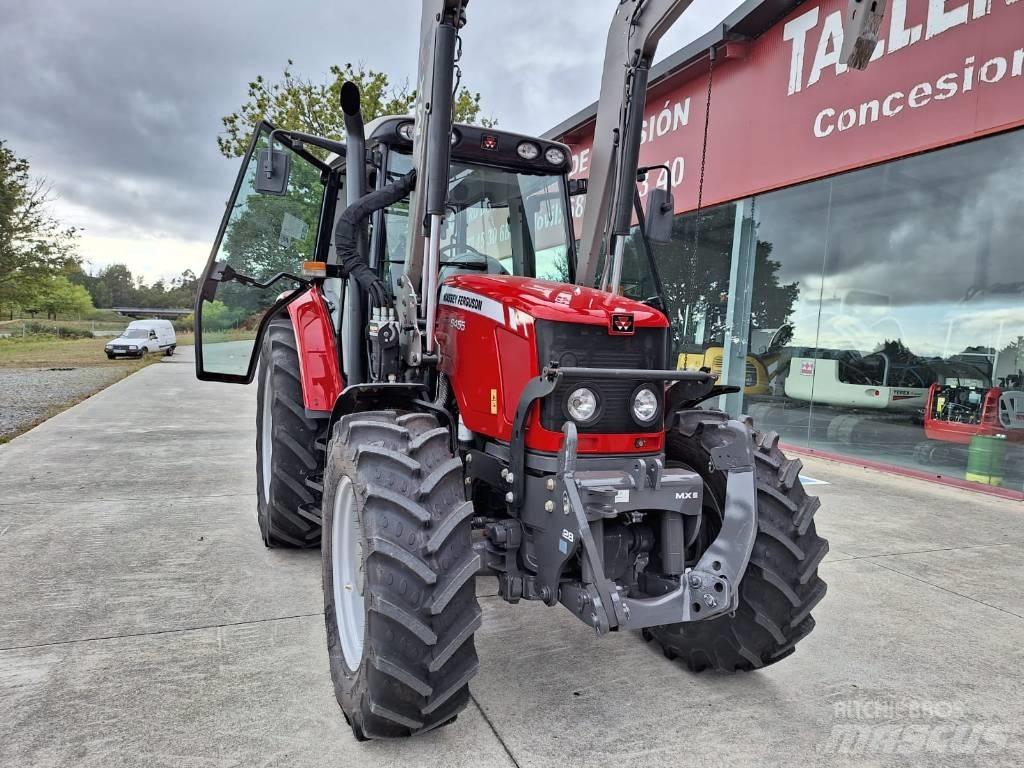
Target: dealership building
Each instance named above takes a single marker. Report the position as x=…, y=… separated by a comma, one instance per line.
x=848, y=246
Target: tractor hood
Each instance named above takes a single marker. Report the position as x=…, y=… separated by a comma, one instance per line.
x=560, y=302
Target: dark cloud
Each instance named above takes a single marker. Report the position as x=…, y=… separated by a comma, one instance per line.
x=119, y=103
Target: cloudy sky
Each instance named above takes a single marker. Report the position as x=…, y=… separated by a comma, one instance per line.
x=118, y=102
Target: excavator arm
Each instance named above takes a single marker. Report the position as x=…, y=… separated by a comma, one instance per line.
x=636, y=29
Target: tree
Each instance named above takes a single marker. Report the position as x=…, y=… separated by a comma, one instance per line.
x=218, y=316
x=300, y=104
x=116, y=286
x=33, y=244
x=119, y=285
x=698, y=293
x=58, y=295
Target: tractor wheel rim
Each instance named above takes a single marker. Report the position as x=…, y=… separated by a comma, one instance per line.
x=267, y=434
x=346, y=567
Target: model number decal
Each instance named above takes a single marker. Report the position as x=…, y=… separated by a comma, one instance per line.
x=687, y=495
x=568, y=535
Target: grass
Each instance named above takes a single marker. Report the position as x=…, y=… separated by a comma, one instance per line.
x=233, y=334
x=14, y=327
x=53, y=352
x=99, y=320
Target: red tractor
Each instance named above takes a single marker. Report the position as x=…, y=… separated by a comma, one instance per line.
x=442, y=393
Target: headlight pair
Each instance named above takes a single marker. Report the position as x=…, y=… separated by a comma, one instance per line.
x=584, y=406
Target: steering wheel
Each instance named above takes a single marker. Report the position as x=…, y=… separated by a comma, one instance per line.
x=465, y=249
x=489, y=264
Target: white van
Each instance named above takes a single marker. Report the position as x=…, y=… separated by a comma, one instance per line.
x=143, y=337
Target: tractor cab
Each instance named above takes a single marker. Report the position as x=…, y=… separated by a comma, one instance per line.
x=507, y=203
x=506, y=215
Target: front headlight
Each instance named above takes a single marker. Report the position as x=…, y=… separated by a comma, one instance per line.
x=132, y=348
x=645, y=405
x=555, y=156
x=581, y=405
x=528, y=150
x=407, y=131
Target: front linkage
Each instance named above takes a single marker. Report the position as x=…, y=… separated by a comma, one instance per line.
x=570, y=505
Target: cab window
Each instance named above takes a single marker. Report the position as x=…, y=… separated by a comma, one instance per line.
x=498, y=222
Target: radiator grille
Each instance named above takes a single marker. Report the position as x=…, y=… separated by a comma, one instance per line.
x=590, y=346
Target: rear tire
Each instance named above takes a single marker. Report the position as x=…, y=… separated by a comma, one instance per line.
x=289, y=465
x=781, y=584
x=399, y=575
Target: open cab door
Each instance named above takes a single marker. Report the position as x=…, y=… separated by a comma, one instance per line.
x=272, y=224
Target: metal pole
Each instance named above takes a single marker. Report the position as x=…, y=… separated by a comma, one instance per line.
x=432, y=268
x=737, y=319
x=617, y=255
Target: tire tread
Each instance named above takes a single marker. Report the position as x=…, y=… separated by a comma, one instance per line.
x=420, y=570
x=781, y=585
x=287, y=518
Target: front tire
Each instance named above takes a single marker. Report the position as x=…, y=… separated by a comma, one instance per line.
x=289, y=466
x=399, y=575
x=781, y=584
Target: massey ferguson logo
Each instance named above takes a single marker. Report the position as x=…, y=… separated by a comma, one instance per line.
x=622, y=324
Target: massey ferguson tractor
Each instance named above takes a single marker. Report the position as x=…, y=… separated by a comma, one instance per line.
x=443, y=392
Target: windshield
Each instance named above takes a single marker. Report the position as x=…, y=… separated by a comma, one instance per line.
x=136, y=333
x=499, y=222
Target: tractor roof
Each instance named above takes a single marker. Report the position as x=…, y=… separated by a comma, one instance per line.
x=473, y=143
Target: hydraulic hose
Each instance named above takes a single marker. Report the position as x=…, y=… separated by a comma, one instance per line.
x=346, y=236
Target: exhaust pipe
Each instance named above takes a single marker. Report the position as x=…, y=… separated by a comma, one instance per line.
x=353, y=321
x=355, y=142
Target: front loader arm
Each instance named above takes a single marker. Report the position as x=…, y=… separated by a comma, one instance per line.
x=636, y=30
x=439, y=26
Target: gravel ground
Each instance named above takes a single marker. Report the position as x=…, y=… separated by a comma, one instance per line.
x=28, y=394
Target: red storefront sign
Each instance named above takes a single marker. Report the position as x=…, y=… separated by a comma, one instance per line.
x=785, y=110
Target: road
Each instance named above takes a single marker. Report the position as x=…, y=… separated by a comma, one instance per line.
x=143, y=623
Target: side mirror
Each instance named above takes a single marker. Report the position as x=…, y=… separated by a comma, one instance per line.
x=273, y=167
x=661, y=210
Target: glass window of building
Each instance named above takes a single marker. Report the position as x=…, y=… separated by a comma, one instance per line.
x=901, y=289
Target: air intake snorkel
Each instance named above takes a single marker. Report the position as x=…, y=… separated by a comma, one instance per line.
x=349, y=236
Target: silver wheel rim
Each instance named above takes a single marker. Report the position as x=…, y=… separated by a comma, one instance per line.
x=347, y=570
x=267, y=434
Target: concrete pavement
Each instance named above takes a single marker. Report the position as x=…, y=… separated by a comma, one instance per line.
x=143, y=623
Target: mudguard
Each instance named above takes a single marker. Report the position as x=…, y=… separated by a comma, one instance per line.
x=319, y=366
